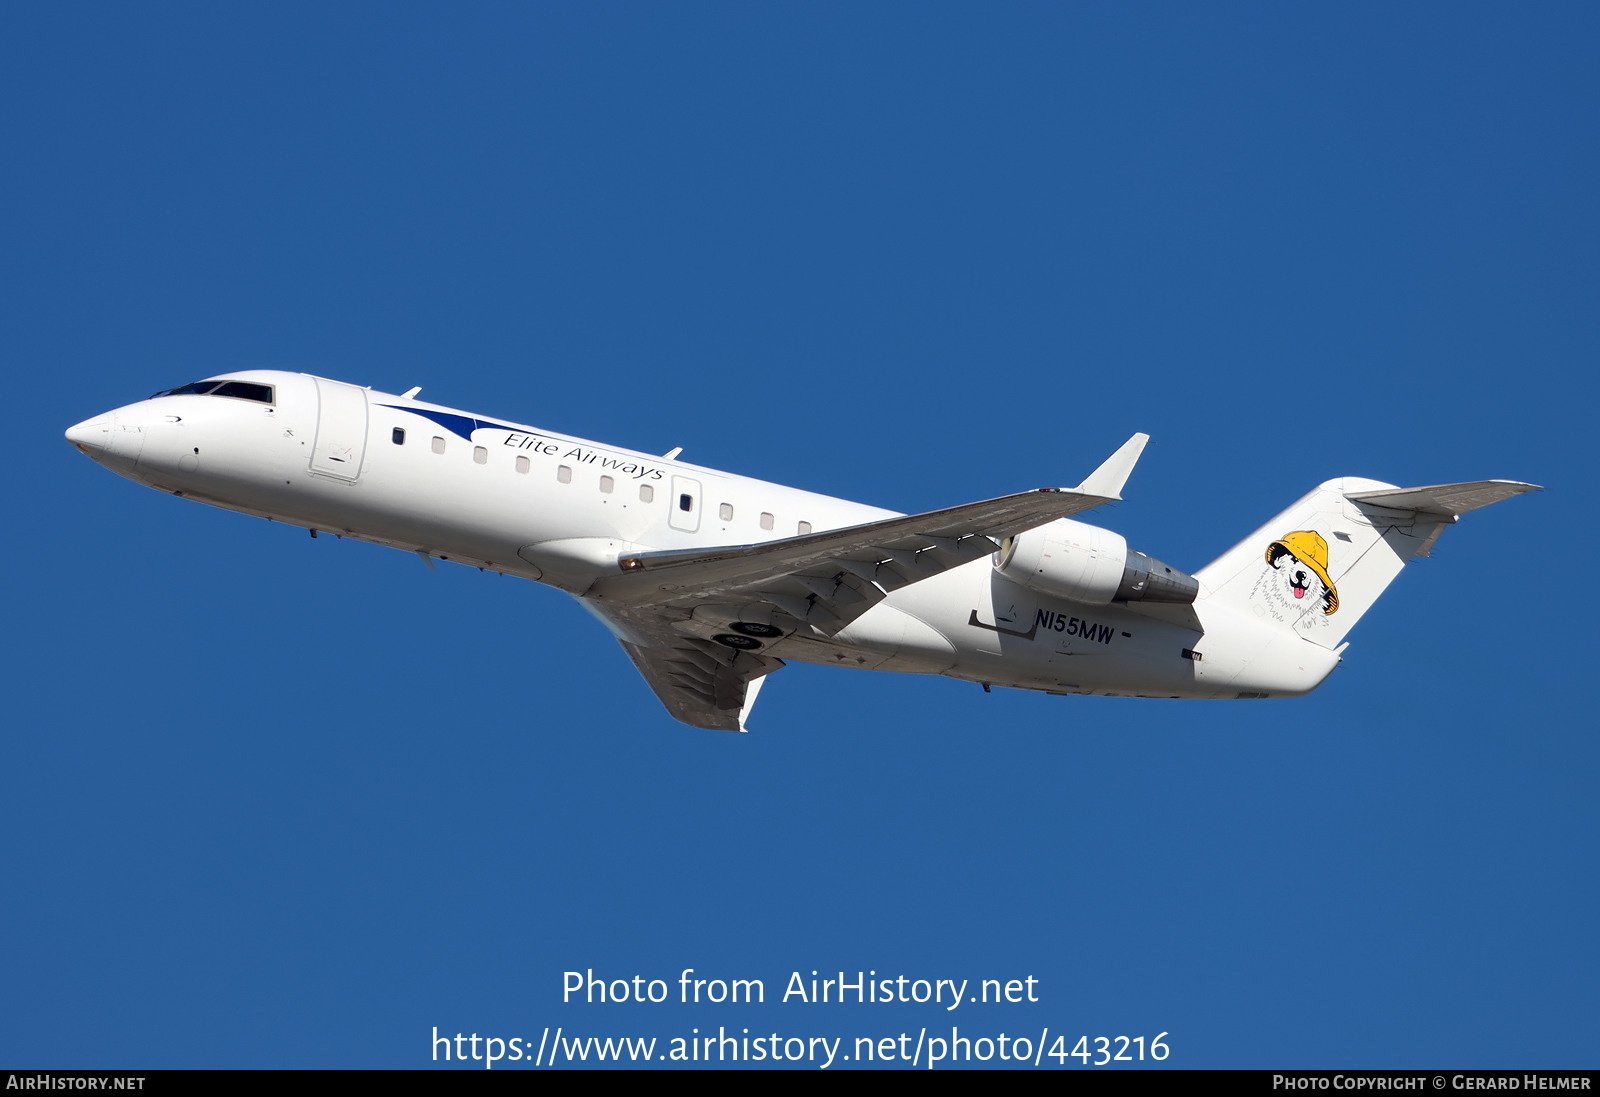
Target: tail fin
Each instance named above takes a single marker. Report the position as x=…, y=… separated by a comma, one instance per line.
x=1318, y=566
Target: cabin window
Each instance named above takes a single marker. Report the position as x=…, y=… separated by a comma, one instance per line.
x=805, y=528
x=647, y=493
x=438, y=445
x=480, y=455
x=725, y=512
x=607, y=484
x=522, y=463
x=685, y=502
x=766, y=520
x=398, y=436
x=564, y=474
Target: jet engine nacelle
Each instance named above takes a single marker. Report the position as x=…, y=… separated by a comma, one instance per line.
x=1090, y=565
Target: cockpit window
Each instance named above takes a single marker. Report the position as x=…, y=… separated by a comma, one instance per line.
x=199, y=388
x=239, y=390
x=244, y=390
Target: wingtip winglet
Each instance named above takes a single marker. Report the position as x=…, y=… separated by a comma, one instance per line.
x=1107, y=481
x=750, y=691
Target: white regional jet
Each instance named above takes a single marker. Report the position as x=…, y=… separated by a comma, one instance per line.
x=711, y=581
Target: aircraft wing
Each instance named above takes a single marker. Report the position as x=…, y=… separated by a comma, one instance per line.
x=826, y=580
x=702, y=684
x=662, y=606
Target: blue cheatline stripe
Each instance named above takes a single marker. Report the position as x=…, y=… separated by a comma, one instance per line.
x=461, y=426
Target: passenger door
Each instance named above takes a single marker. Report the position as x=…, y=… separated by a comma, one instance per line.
x=341, y=430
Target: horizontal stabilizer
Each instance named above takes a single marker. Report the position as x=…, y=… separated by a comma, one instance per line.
x=1444, y=500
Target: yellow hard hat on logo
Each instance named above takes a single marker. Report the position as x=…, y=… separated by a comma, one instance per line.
x=1310, y=549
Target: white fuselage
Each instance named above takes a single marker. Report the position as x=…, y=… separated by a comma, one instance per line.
x=491, y=494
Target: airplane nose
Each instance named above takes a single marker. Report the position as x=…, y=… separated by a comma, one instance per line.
x=92, y=436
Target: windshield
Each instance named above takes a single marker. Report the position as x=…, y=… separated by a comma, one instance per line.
x=188, y=390
x=239, y=390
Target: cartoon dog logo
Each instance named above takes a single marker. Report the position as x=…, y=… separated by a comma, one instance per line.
x=1296, y=580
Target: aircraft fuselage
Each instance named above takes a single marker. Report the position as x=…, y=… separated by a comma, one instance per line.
x=498, y=495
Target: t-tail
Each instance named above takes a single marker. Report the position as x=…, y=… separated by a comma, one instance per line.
x=1319, y=566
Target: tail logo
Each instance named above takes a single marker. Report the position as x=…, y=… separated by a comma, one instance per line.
x=1295, y=580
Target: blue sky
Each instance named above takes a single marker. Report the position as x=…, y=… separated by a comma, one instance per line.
x=281, y=802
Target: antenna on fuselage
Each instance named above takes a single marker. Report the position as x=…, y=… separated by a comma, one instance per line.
x=672, y=454
x=411, y=393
